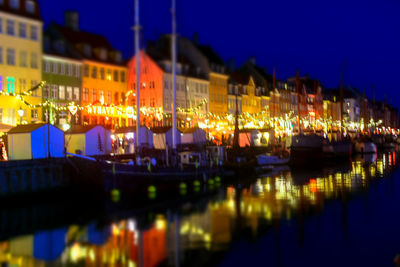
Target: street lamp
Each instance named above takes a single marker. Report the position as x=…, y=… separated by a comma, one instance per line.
x=20, y=114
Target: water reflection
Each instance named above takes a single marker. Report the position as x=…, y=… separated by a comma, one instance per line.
x=203, y=232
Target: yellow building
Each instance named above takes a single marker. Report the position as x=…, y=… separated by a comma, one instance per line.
x=20, y=61
x=218, y=93
x=251, y=102
x=104, y=75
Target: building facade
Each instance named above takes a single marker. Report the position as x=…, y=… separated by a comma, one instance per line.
x=20, y=57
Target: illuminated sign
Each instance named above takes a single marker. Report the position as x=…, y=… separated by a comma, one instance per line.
x=111, y=111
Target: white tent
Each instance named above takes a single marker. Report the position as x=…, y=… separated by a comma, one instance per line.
x=193, y=136
x=162, y=136
x=31, y=141
x=88, y=140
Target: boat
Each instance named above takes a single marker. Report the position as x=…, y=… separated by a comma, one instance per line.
x=365, y=147
x=342, y=149
x=265, y=159
x=306, y=149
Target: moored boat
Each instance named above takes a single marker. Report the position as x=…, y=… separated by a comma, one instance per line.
x=306, y=149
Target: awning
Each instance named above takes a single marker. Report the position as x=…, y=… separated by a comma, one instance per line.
x=5, y=127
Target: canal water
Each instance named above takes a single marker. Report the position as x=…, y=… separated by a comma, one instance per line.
x=344, y=215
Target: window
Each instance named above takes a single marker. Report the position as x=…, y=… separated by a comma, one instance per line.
x=77, y=71
x=30, y=6
x=109, y=75
x=34, y=33
x=123, y=77
x=102, y=73
x=62, y=68
x=101, y=96
x=109, y=100
x=22, y=85
x=116, y=99
x=61, y=92
x=34, y=61
x=86, y=94
x=1, y=83
x=54, y=90
x=22, y=30
x=76, y=93
x=10, y=27
x=94, y=95
x=1, y=55
x=11, y=85
x=86, y=70
x=1, y=115
x=69, y=69
x=34, y=114
x=115, y=75
x=46, y=90
x=11, y=56
x=47, y=66
x=69, y=93
x=23, y=59
x=14, y=4
x=54, y=68
x=1, y=24
x=94, y=72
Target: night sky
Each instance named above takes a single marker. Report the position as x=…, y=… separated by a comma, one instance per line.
x=319, y=38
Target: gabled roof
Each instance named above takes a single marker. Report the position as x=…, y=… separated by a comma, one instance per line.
x=21, y=11
x=79, y=129
x=77, y=38
x=26, y=128
x=160, y=129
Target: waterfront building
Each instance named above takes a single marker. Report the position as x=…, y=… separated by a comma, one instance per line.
x=62, y=70
x=156, y=94
x=104, y=74
x=20, y=55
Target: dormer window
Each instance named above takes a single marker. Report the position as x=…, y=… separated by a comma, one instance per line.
x=87, y=50
x=59, y=45
x=103, y=54
x=30, y=6
x=118, y=57
x=14, y=4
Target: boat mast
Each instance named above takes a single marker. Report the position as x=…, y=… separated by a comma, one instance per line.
x=137, y=56
x=341, y=104
x=298, y=101
x=173, y=54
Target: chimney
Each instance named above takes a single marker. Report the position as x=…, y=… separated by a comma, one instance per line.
x=72, y=20
x=196, y=38
x=253, y=60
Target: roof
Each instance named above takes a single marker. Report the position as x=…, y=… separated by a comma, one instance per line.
x=26, y=128
x=78, y=129
x=77, y=38
x=160, y=129
x=211, y=55
x=240, y=77
x=189, y=130
x=21, y=11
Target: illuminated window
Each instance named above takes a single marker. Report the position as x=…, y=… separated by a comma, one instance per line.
x=86, y=94
x=109, y=100
x=101, y=96
x=46, y=90
x=54, y=90
x=10, y=27
x=14, y=4
x=30, y=6
x=11, y=56
x=11, y=85
x=61, y=93
x=69, y=93
x=34, y=33
x=34, y=114
x=109, y=75
x=94, y=95
x=76, y=93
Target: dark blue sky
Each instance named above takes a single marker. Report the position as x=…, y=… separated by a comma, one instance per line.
x=315, y=37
